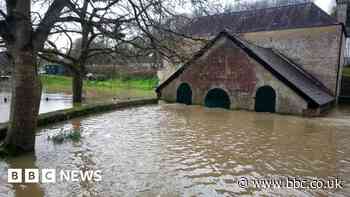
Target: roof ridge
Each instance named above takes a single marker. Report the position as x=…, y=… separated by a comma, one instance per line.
x=301, y=70
x=292, y=64
x=258, y=9
x=324, y=12
x=303, y=15
x=257, y=53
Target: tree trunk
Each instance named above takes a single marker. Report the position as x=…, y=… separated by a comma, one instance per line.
x=77, y=87
x=25, y=101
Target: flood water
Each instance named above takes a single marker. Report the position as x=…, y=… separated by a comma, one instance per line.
x=176, y=150
x=53, y=101
x=56, y=101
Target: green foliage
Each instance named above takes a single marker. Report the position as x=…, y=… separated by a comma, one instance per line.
x=62, y=136
x=346, y=71
x=144, y=84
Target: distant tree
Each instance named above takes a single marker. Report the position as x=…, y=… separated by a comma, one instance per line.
x=333, y=11
x=138, y=29
x=89, y=26
x=24, y=31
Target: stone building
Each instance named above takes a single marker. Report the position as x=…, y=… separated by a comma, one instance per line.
x=284, y=59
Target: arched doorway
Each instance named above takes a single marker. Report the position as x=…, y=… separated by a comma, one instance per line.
x=184, y=94
x=265, y=99
x=217, y=98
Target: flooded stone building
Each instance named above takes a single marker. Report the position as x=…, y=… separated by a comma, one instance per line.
x=284, y=59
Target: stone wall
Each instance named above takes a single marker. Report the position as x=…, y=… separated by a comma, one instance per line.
x=316, y=49
x=187, y=48
x=227, y=67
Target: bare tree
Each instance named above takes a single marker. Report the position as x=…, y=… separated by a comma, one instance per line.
x=144, y=26
x=88, y=22
x=23, y=39
x=24, y=33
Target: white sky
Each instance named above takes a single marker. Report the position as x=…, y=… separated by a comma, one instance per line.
x=325, y=4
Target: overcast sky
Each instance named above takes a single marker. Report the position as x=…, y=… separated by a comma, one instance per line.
x=325, y=4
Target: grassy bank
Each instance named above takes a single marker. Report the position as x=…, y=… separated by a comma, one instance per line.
x=116, y=87
x=346, y=71
x=54, y=82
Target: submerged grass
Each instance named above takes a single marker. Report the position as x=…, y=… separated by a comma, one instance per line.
x=62, y=136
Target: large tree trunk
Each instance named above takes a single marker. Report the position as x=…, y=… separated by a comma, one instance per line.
x=26, y=94
x=26, y=91
x=77, y=87
x=23, y=43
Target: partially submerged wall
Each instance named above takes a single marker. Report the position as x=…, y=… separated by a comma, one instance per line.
x=316, y=49
x=227, y=67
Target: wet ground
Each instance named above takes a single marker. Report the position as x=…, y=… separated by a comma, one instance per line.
x=176, y=150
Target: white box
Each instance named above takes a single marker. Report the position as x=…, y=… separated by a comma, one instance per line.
x=14, y=175
x=31, y=175
x=48, y=176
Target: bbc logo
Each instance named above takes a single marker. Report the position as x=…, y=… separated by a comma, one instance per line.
x=31, y=176
x=49, y=175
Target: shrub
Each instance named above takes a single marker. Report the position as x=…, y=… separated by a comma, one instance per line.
x=63, y=135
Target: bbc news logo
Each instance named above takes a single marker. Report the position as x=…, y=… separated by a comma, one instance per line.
x=51, y=176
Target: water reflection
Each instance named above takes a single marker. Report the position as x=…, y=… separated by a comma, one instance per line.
x=49, y=102
x=22, y=190
x=58, y=101
x=175, y=150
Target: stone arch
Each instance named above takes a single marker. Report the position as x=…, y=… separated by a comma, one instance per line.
x=217, y=98
x=265, y=99
x=184, y=94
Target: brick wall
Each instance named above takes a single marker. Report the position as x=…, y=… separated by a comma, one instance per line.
x=227, y=67
x=316, y=49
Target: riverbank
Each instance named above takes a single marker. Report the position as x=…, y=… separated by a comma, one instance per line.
x=346, y=71
x=55, y=83
x=67, y=114
x=102, y=91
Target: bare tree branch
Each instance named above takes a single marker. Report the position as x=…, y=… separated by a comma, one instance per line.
x=50, y=18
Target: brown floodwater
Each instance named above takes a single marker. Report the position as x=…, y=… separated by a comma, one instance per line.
x=177, y=150
x=59, y=100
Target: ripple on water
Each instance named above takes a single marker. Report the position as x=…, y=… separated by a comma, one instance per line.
x=175, y=150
